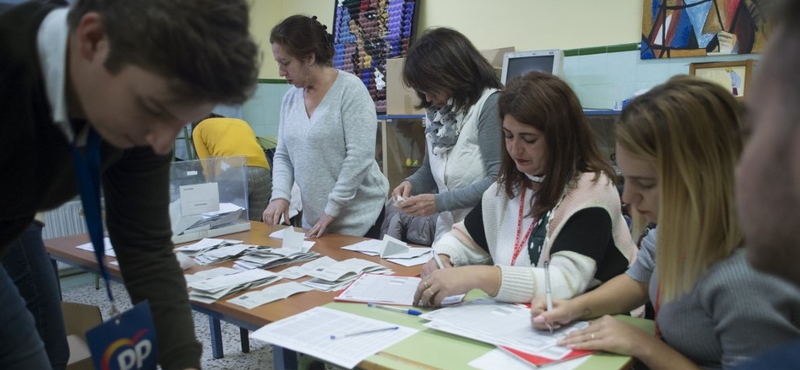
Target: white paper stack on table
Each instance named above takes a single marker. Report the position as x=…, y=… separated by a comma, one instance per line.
x=205, y=244
x=269, y=294
x=208, y=274
x=331, y=275
x=393, y=250
x=266, y=257
x=333, y=336
x=506, y=326
x=210, y=290
x=293, y=249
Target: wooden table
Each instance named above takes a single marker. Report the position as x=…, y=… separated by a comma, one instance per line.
x=63, y=250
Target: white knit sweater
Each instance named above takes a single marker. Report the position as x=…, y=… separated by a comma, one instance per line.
x=571, y=272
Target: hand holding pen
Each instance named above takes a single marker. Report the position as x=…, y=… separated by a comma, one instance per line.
x=548, y=291
x=436, y=262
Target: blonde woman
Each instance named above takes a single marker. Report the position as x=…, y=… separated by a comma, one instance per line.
x=677, y=147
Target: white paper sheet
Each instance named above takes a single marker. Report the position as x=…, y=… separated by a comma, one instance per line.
x=384, y=289
x=310, y=332
x=109, y=250
x=251, y=300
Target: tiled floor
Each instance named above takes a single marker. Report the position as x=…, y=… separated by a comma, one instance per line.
x=81, y=288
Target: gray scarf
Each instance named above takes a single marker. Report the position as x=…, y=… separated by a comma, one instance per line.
x=442, y=127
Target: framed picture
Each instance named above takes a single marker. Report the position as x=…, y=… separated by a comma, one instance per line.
x=733, y=76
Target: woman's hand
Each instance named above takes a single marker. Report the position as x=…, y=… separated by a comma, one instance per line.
x=403, y=190
x=432, y=266
x=443, y=283
x=319, y=229
x=563, y=313
x=610, y=335
x=276, y=208
x=422, y=205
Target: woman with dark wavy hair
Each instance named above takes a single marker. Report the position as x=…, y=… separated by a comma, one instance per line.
x=554, y=201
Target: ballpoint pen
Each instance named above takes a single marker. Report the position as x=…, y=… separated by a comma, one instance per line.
x=438, y=260
x=396, y=309
x=547, y=293
x=340, y=336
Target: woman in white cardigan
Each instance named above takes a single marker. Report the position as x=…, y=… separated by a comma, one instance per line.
x=554, y=200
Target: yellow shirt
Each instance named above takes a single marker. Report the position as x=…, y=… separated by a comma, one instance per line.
x=224, y=137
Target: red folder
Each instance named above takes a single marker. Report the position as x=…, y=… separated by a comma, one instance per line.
x=542, y=361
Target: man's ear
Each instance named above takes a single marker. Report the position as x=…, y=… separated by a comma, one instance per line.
x=92, y=38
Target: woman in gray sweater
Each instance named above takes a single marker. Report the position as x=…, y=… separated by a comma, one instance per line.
x=326, y=138
x=677, y=147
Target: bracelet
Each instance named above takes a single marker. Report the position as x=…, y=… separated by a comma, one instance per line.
x=499, y=281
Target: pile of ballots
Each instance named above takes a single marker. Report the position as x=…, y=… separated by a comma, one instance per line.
x=266, y=257
x=330, y=275
x=209, y=251
x=214, y=288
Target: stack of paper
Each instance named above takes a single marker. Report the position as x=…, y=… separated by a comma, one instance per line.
x=266, y=257
x=337, y=275
x=384, y=289
x=393, y=250
x=204, y=245
x=208, y=274
x=222, y=254
x=210, y=290
x=506, y=326
x=254, y=299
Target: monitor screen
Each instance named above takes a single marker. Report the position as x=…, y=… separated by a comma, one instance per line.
x=519, y=63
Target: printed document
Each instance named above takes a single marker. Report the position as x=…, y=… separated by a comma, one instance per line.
x=310, y=332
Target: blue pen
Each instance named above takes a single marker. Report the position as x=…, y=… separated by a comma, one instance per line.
x=396, y=309
x=340, y=336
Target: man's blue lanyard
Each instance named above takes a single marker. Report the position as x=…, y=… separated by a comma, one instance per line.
x=87, y=171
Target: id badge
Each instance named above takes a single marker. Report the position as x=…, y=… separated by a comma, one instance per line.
x=125, y=342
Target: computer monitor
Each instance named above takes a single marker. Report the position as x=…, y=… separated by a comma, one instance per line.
x=521, y=62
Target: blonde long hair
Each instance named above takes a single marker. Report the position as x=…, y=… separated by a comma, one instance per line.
x=692, y=130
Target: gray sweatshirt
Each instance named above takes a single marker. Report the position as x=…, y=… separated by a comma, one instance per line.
x=331, y=156
x=732, y=314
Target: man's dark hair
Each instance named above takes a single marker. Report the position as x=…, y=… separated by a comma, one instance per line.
x=202, y=47
x=300, y=36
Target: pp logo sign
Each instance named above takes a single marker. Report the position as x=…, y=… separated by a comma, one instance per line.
x=127, y=342
x=128, y=354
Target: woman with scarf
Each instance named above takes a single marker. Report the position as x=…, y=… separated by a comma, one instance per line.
x=458, y=89
x=554, y=202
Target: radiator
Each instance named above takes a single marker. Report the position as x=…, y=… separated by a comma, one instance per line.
x=65, y=220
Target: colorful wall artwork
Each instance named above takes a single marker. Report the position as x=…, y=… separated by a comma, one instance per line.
x=693, y=28
x=366, y=33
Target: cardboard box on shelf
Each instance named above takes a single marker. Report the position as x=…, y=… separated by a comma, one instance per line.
x=495, y=57
x=400, y=99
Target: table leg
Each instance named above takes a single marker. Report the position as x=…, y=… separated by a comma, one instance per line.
x=216, y=337
x=245, y=338
x=283, y=359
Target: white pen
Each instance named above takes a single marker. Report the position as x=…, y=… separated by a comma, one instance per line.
x=548, y=295
x=340, y=336
x=438, y=260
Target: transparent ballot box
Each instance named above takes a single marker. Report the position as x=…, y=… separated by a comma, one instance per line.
x=208, y=198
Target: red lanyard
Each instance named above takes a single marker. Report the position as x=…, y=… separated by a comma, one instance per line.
x=517, y=242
